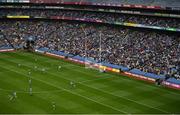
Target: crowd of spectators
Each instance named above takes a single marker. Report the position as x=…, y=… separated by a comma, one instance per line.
x=2, y=42
x=106, y=17
x=169, y=3
x=145, y=50
x=9, y=38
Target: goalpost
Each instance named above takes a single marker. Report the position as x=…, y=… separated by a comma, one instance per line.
x=91, y=63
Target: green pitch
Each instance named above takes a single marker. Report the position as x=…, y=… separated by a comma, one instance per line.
x=94, y=92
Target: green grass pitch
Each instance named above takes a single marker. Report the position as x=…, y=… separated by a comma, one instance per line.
x=95, y=92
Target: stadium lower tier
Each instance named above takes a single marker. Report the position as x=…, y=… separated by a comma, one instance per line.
x=150, y=52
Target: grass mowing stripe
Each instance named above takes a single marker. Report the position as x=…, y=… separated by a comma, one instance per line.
x=54, y=91
x=73, y=93
x=10, y=110
x=96, y=79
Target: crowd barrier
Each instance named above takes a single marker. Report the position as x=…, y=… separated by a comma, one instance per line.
x=6, y=48
x=134, y=73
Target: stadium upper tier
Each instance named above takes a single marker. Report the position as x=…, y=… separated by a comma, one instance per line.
x=104, y=17
x=172, y=3
x=164, y=3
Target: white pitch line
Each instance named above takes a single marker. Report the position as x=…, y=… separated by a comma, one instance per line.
x=87, y=98
x=53, y=91
x=68, y=65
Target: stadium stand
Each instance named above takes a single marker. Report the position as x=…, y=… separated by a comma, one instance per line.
x=146, y=50
x=4, y=43
x=105, y=17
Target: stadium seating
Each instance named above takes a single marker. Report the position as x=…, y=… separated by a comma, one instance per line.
x=145, y=50
x=164, y=3
x=173, y=3
x=105, y=17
